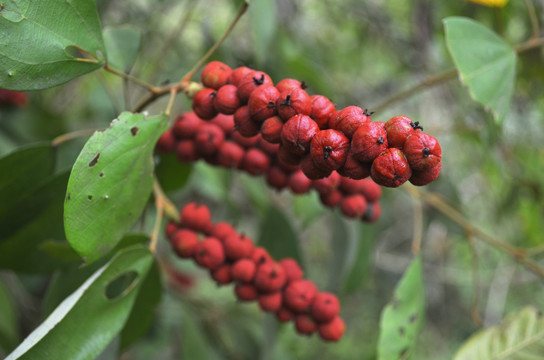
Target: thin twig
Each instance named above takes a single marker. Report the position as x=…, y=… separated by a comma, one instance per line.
x=129, y=77
x=164, y=207
x=474, y=312
x=71, y=135
x=534, y=20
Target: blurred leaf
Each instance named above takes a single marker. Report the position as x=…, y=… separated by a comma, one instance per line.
x=263, y=25
x=491, y=3
x=36, y=217
x=518, y=337
x=22, y=171
x=110, y=183
x=402, y=318
x=122, y=44
x=143, y=311
x=340, y=247
x=486, y=63
x=39, y=51
x=59, y=250
x=213, y=182
x=9, y=326
x=86, y=321
x=278, y=236
x=361, y=268
x=194, y=344
x=171, y=173
x=308, y=207
x=257, y=192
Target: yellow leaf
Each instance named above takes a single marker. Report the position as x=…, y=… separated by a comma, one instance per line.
x=492, y=3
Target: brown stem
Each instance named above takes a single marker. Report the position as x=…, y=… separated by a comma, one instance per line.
x=164, y=207
x=474, y=312
x=534, y=20
x=129, y=77
x=71, y=135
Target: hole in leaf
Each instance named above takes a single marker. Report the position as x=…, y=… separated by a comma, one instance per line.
x=101, y=174
x=134, y=130
x=90, y=197
x=94, y=160
x=79, y=53
x=121, y=285
x=412, y=318
x=401, y=331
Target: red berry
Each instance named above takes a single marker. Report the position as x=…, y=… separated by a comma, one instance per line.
x=292, y=269
x=322, y=108
x=310, y=170
x=271, y=129
x=270, y=277
x=354, y=169
x=222, y=275
x=349, y=119
x=422, y=151
x=276, y=177
x=246, y=292
x=246, y=142
x=186, y=151
x=184, y=242
x=293, y=101
x=332, y=198
x=422, y=178
x=250, y=82
x=270, y=302
x=243, y=270
x=237, y=74
x=215, y=74
x=230, y=154
x=208, y=139
x=391, y=168
x=222, y=230
x=398, y=129
x=325, y=307
x=287, y=84
x=328, y=184
x=166, y=142
x=170, y=229
x=353, y=206
x=367, y=187
x=238, y=246
x=10, y=97
x=269, y=148
x=372, y=213
x=286, y=157
x=284, y=314
x=260, y=255
x=203, y=103
x=297, y=133
x=195, y=217
x=262, y=103
x=299, y=183
x=299, y=295
x=244, y=124
x=186, y=125
x=305, y=325
x=369, y=141
x=333, y=330
x=329, y=149
x=226, y=100
x=225, y=122
x=210, y=253
x=256, y=162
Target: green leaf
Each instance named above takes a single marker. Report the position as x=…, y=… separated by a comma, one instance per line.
x=402, y=318
x=86, y=321
x=171, y=173
x=361, y=268
x=33, y=219
x=110, y=183
x=340, y=250
x=486, y=63
x=9, y=326
x=518, y=337
x=278, y=236
x=264, y=24
x=122, y=44
x=308, y=207
x=47, y=43
x=143, y=311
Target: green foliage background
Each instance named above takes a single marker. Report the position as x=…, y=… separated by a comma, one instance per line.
x=356, y=53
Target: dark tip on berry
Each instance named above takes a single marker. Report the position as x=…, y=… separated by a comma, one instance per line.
x=327, y=151
x=287, y=101
x=380, y=140
x=303, y=85
x=259, y=81
x=416, y=126
x=368, y=113
x=271, y=104
x=213, y=94
x=273, y=274
x=426, y=152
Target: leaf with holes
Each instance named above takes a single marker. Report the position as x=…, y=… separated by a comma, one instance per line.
x=486, y=63
x=402, y=318
x=40, y=51
x=87, y=320
x=518, y=337
x=110, y=183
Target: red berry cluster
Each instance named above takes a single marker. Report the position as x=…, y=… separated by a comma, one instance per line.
x=278, y=287
x=312, y=133
x=217, y=142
